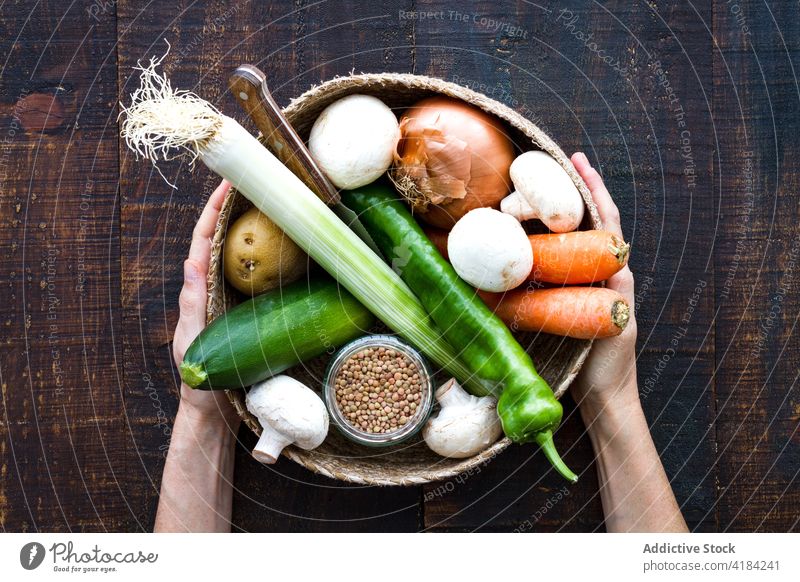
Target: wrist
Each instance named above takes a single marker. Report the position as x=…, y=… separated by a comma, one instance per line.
x=212, y=409
x=202, y=424
x=610, y=406
x=615, y=425
x=196, y=487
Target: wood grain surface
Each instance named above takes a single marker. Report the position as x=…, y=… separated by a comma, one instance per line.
x=690, y=112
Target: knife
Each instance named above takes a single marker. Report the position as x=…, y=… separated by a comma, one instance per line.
x=249, y=86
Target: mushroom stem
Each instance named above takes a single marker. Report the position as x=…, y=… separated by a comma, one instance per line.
x=518, y=206
x=270, y=445
x=450, y=393
x=546, y=188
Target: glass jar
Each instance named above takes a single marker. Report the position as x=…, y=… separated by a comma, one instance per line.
x=417, y=419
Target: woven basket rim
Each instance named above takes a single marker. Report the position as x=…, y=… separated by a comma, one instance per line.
x=347, y=85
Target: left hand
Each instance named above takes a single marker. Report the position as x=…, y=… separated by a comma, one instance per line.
x=206, y=406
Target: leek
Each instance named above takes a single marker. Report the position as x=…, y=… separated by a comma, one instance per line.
x=162, y=124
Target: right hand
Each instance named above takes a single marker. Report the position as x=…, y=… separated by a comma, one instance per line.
x=609, y=372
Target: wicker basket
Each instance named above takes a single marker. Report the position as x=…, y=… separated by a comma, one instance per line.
x=557, y=359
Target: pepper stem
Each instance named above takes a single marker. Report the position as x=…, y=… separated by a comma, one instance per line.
x=545, y=441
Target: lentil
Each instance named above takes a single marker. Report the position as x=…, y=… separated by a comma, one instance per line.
x=378, y=389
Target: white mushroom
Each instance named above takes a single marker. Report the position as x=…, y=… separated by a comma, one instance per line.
x=354, y=139
x=289, y=413
x=465, y=425
x=490, y=250
x=545, y=191
x=517, y=206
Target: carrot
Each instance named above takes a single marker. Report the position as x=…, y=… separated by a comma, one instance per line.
x=578, y=257
x=579, y=312
x=571, y=258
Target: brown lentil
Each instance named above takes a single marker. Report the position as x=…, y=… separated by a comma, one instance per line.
x=377, y=390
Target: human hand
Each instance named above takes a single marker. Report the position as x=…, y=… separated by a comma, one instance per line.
x=208, y=406
x=609, y=373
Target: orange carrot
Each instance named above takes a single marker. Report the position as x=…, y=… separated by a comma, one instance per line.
x=578, y=257
x=571, y=258
x=579, y=312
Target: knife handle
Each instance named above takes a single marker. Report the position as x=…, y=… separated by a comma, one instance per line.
x=249, y=85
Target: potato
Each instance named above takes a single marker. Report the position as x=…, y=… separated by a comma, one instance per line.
x=258, y=256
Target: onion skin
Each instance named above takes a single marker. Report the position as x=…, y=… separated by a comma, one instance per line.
x=451, y=158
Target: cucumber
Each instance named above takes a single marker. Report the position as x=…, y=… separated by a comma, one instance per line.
x=272, y=332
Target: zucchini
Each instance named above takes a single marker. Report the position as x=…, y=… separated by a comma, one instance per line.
x=272, y=332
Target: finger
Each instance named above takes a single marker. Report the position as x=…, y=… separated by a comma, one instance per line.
x=608, y=211
x=208, y=219
x=623, y=283
x=192, y=301
x=200, y=250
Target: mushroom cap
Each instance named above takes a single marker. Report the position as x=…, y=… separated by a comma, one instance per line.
x=291, y=408
x=354, y=139
x=548, y=189
x=464, y=428
x=490, y=250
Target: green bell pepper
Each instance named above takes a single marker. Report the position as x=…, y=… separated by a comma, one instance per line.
x=499, y=365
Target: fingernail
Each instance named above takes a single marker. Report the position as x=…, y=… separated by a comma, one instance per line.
x=583, y=157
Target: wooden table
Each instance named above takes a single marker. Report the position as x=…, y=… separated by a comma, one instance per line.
x=690, y=111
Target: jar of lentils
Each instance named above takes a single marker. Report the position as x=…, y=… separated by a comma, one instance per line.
x=378, y=390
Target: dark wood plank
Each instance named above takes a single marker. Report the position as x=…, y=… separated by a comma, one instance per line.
x=61, y=426
x=538, y=60
x=755, y=103
x=296, y=44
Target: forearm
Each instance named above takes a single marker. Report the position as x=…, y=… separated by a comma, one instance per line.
x=634, y=489
x=197, y=483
